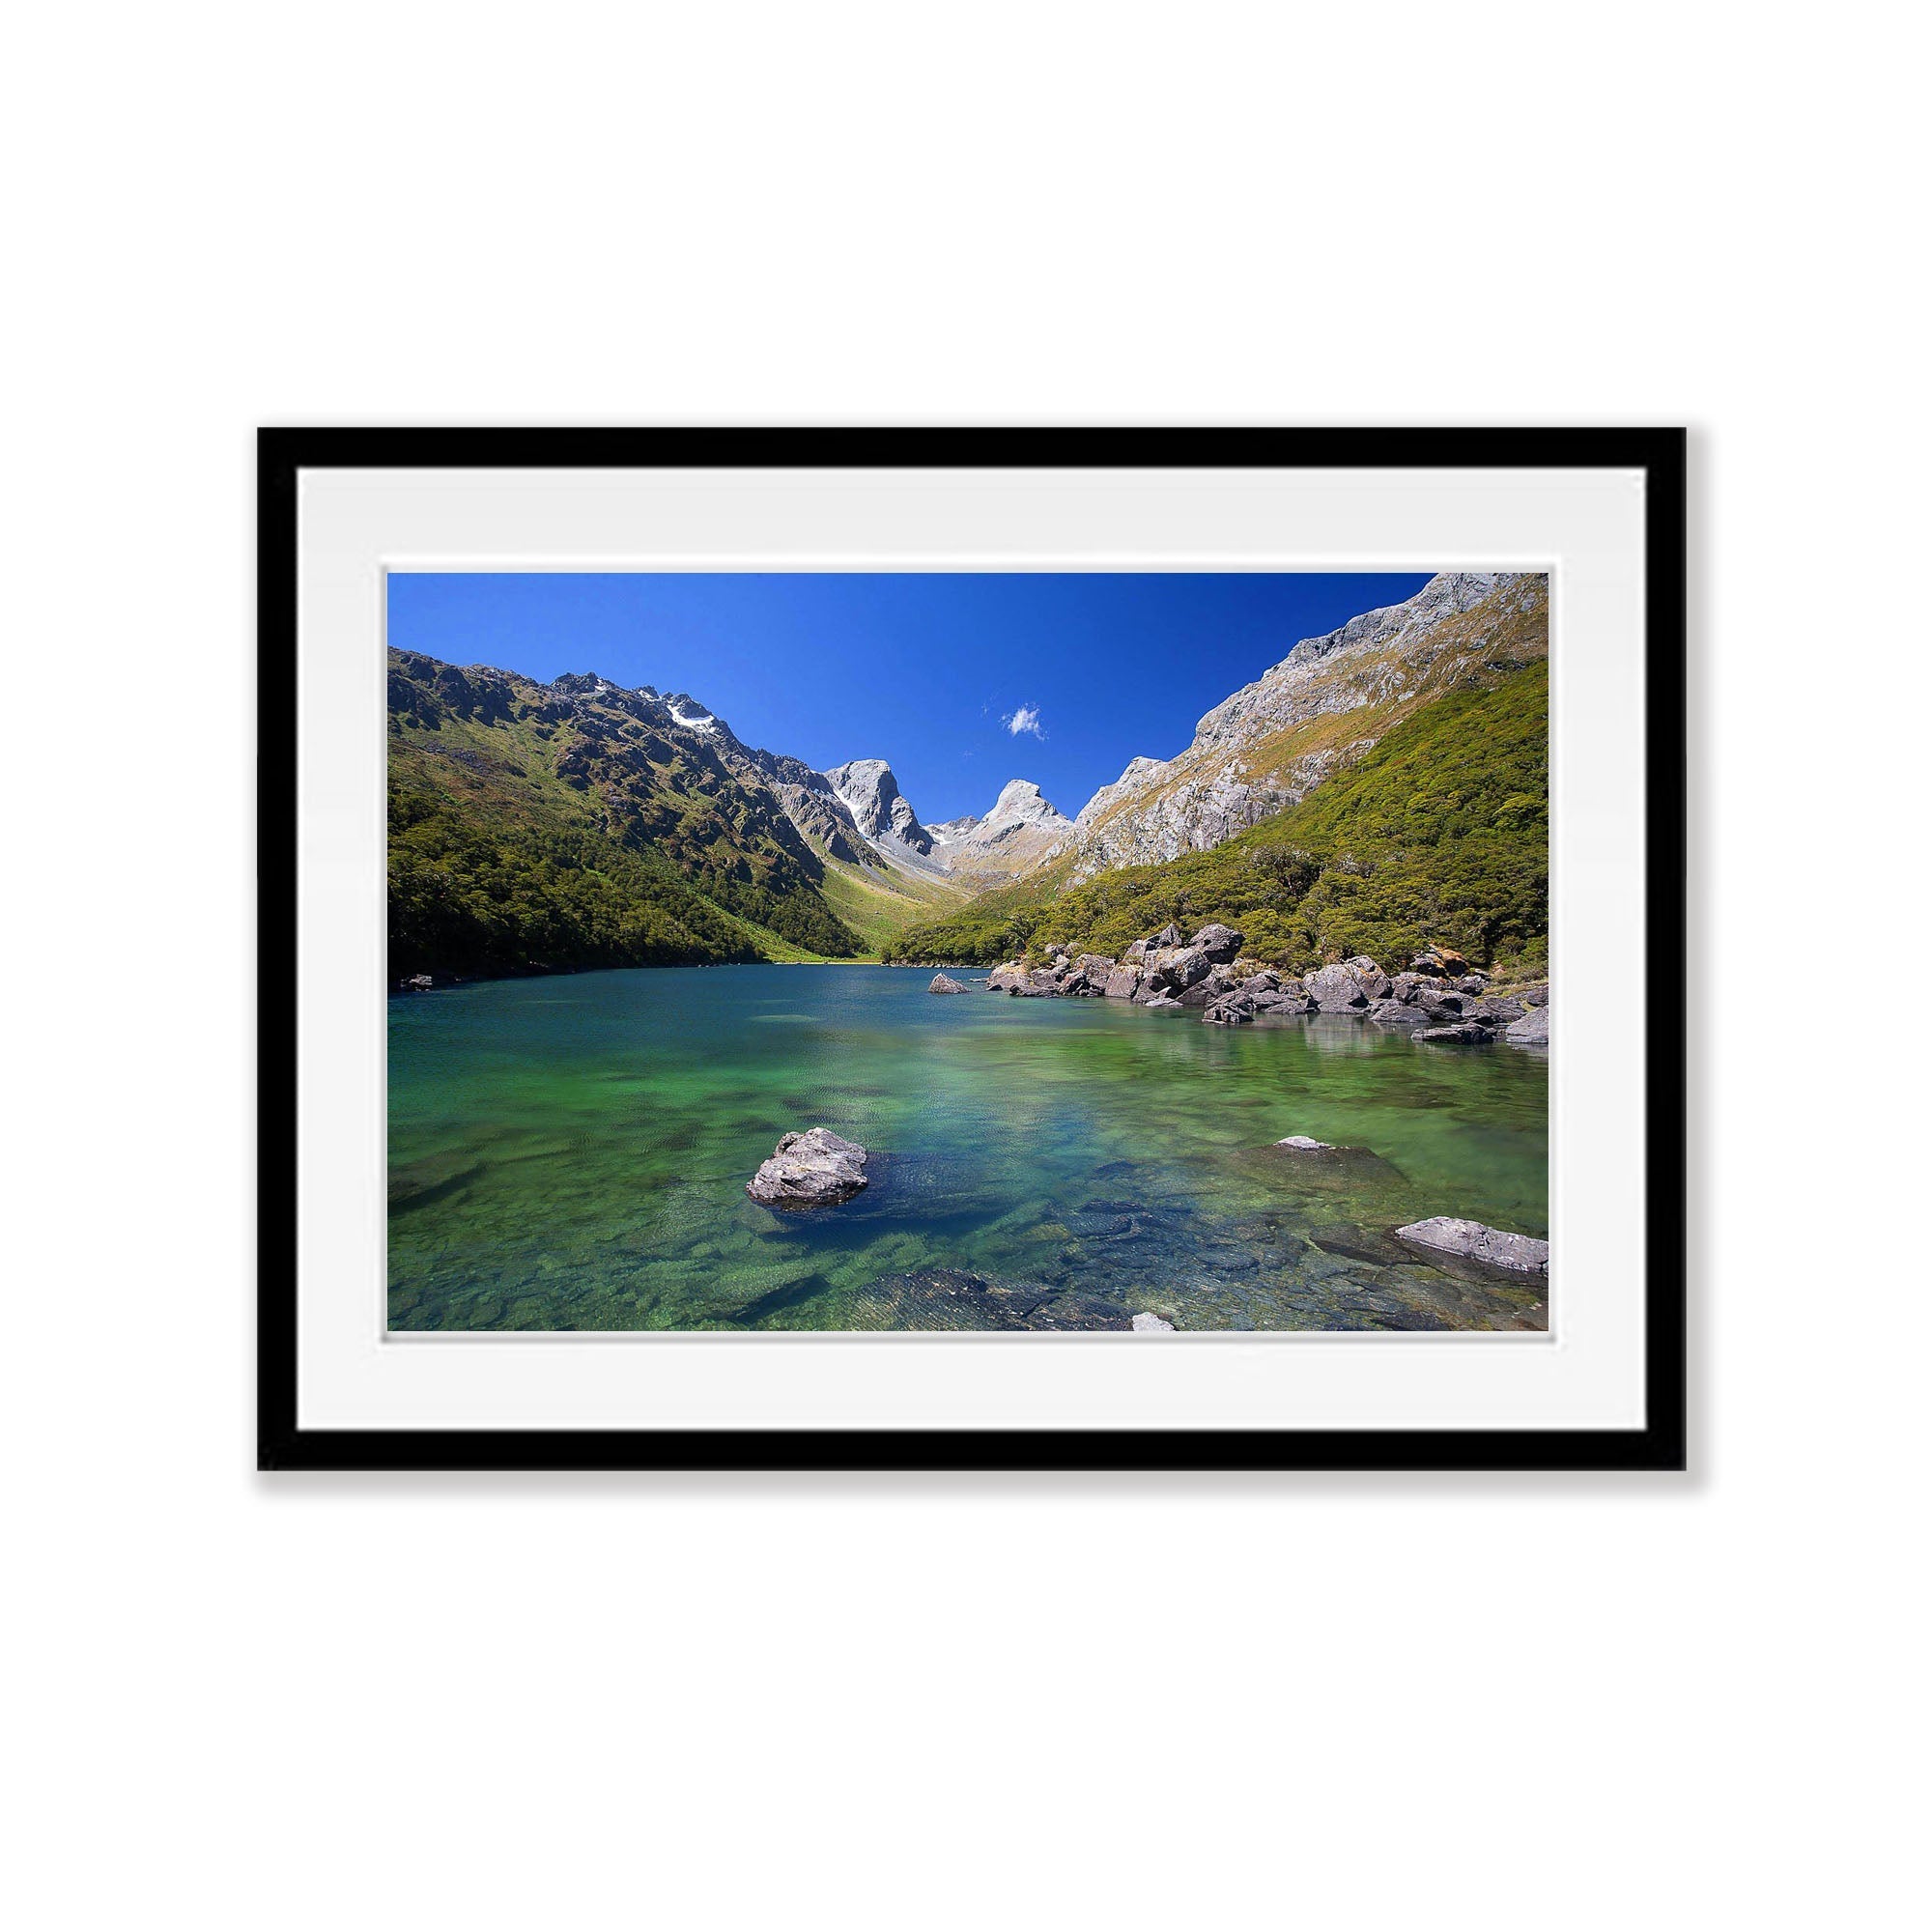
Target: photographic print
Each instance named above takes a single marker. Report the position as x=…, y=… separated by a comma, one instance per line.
x=969, y=953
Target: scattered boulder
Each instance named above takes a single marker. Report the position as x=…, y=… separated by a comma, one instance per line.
x=1370, y=976
x=1537, y=995
x=1475, y=1243
x=1465, y=1033
x=1146, y=1323
x=815, y=1169
x=1088, y=974
x=1493, y=1009
x=1162, y=1003
x=940, y=984
x=1123, y=982
x=1290, y=1001
x=1235, y=1010
x=1336, y=990
x=1264, y=982
x=1392, y=1013
x=1136, y=952
x=1532, y=1030
x=1302, y=1144
x=1441, y=1005
x=1405, y=985
x=1176, y=968
x=1473, y=982
x=1440, y=962
x=1007, y=978
x=1167, y=936
x=1220, y=943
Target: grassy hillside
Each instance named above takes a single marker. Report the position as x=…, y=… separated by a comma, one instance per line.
x=533, y=833
x=1440, y=833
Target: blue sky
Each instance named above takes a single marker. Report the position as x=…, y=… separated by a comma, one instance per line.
x=960, y=682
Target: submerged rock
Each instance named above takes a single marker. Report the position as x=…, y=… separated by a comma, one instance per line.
x=1302, y=1144
x=815, y=1169
x=1473, y=1241
x=1465, y=1033
x=940, y=984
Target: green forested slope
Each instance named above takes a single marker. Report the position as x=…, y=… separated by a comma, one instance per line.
x=1440, y=832
x=539, y=829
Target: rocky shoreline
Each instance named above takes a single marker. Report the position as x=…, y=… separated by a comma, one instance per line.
x=1439, y=996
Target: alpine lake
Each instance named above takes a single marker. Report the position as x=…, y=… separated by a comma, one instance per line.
x=571, y=1153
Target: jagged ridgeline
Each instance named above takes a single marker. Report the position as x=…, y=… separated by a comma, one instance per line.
x=1430, y=825
x=548, y=827
x=1380, y=788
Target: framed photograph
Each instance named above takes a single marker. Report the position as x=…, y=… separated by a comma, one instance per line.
x=959, y=949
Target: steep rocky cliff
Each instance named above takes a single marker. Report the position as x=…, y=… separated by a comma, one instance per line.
x=872, y=794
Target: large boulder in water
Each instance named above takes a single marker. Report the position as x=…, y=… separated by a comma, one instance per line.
x=1443, y=1005
x=1089, y=974
x=815, y=1169
x=1475, y=1243
x=940, y=984
x=1123, y=982
x=1532, y=1030
x=1176, y=968
x=1337, y=991
x=1235, y=1010
x=1392, y=1013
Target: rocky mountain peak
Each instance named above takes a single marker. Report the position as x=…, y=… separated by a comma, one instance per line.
x=872, y=793
x=1021, y=803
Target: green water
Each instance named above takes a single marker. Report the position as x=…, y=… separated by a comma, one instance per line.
x=571, y=1153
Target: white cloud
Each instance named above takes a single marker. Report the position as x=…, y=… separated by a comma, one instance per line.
x=1025, y=718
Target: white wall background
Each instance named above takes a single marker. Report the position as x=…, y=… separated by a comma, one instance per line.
x=1497, y=1704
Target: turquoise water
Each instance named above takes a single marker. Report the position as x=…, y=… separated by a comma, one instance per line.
x=572, y=1152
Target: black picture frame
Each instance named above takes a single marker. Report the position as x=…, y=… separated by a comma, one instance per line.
x=1660, y=1444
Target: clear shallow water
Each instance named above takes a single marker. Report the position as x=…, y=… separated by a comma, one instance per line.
x=572, y=1154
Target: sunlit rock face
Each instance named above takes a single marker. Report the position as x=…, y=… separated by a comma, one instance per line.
x=873, y=793
x=1328, y=703
x=1021, y=833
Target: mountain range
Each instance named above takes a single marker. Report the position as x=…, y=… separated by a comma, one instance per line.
x=545, y=827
